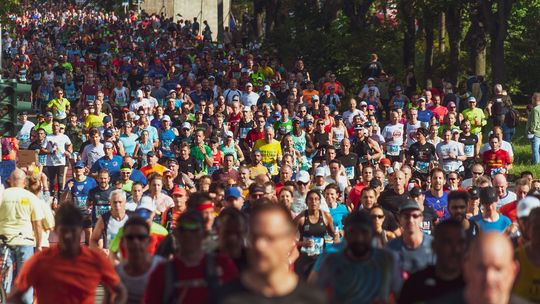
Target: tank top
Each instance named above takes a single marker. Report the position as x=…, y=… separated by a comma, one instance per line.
x=339, y=135
x=234, y=119
x=399, y=103
x=113, y=226
x=244, y=128
x=229, y=150
x=299, y=142
x=315, y=232
x=216, y=156
x=120, y=96
x=166, y=138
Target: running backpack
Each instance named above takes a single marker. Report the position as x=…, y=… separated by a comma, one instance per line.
x=511, y=118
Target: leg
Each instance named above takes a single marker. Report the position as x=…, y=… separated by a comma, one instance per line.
x=21, y=254
x=535, y=146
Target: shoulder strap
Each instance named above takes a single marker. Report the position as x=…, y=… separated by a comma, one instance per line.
x=211, y=275
x=170, y=281
x=106, y=218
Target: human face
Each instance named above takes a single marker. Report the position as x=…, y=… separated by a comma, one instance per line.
x=399, y=180
x=521, y=191
x=377, y=215
x=490, y=270
x=447, y=135
x=457, y=209
x=285, y=198
x=118, y=204
x=449, y=246
x=103, y=180
x=358, y=241
x=156, y=186
x=368, y=199
x=313, y=201
x=180, y=200
x=453, y=180
x=69, y=239
x=136, y=240
x=330, y=195
x=410, y=220
x=495, y=144
x=437, y=181
x=334, y=169
x=272, y=239
x=367, y=174
x=500, y=184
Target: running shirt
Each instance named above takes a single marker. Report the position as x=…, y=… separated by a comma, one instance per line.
x=424, y=116
x=499, y=225
x=469, y=143
x=393, y=135
x=527, y=284
x=495, y=161
x=439, y=204
x=99, y=200
x=166, y=138
x=129, y=143
x=56, y=145
x=444, y=150
x=270, y=154
x=413, y=260
x=338, y=214
x=80, y=191
x=410, y=131
x=112, y=165
x=422, y=156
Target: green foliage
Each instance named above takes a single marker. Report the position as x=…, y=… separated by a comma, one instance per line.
x=8, y=6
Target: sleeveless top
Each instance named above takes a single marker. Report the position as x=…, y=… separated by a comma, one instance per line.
x=166, y=138
x=315, y=232
x=113, y=226
x=229, y=150
x=299, y=142
x=339, y=135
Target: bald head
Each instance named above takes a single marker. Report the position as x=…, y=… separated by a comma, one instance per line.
x=490, y=269
x=17, y=178
x=500, y=184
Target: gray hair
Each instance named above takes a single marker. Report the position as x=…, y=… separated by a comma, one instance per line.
x=119, y=192
x=498, y=88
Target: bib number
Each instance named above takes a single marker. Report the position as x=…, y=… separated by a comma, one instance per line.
x=393, y=150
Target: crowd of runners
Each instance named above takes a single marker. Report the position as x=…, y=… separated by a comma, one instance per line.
x=174, y=169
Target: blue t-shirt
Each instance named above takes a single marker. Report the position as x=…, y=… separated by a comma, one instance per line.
x=500, y=225
x=129, y=142
x=412, y=260
x=136, y=176
x=338, y=214
x=80, y=191
x=349, y=281
x=112, y=165
x=439, y=204
x=424, y=116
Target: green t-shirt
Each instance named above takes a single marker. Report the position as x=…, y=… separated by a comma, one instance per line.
x=199, y=157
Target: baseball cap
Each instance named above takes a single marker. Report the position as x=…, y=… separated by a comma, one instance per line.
x=488, y=195
x=247, y=109
x=139, y=93
x=186, y=125
x=319, y=171
x=451, y=104
x=229, y=134
x=303, y=177
x=276, y=114
x=359, y=219
x=107, y=119
x=315, y=97
x=363, y=103
x=416, y=192
x=525, y=206
x=233, y=192
x=338, y=117
x=374, y=183
x=371, y=79
x=474, y=192
x=79, y=165
x=471, y=99
x=385, y=162
x=166, y=118
x=358, y=127
x=408, y=204
x=371, y=107
x=249, y=84
x=266, y=88
x=256, y=188
x=48, y=114
x=108, y=145
x=107, y=133
x=178, y=191
x=421, y=99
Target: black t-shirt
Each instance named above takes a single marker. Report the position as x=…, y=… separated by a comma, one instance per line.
x=189, y=165
x=422, y=156
x=350, y=162
x=428, y=223
x=236, y=292
x=424, y=285
x=391, y=201
x=99, y=199
x=469, y=142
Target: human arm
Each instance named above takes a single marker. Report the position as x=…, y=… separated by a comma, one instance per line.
x=37, y=227
x=95, y=239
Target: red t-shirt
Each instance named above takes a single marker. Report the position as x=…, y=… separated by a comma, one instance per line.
x=494, y=160
x=510, y=210
x=252, y=136
x=356, y=193
x=192, y=280
x=439, y=111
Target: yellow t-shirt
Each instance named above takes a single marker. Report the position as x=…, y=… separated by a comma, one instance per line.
x=527, y=283
x=18, y=209
x=255, y=171
x=94, y=121
x=270, y=154
x=61, y=105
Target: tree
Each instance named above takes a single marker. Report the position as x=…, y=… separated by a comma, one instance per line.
x=496, y=14
x=406, y=11
x=7, y=7
x=454, y=28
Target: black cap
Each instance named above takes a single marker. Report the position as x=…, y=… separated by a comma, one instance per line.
x=151, y=153
x=359, y=218
x=474, y=192
x=488, y=195
x=172, y=160
x=416, y=192
x=374, y=183
x=256, y=188
x=408, y=204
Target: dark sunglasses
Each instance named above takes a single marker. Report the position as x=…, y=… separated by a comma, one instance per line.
x=140, y=237
x=377, y=216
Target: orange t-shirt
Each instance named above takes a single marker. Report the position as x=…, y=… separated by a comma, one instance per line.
x=57, y=279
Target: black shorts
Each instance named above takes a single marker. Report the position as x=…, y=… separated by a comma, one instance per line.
x=87, y=221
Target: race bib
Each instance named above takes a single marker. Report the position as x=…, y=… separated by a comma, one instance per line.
x=102, y=209
x=90, y=98
x=316, y=249
x=422, y=167
x=212, y=169
x=42, y=159
x=393, y=150
x=80, y=201
x=244, y=132
x=469, y=150
x=350, y=172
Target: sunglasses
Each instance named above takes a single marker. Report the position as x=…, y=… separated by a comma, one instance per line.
x=478, y=173
x=414, y=216
x=377, y=216
x=140, y=237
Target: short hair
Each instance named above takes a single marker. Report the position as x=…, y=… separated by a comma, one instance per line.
x=332, y=186
x=366, y=189
x=135, y=220
x=521, y=182
x=524, y=173
x=458, y=195
x=435, y=170
x=68, y=215
x=447, y=224
x=104, y=171
x=137, y=184
x=197, y=199
x=260, y=209
x=119, y=192
x=231, y=214
x=335, y=161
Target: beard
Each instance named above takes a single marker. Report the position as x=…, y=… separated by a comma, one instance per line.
x=358, y=249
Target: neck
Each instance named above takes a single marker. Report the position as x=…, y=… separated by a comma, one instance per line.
x=446, y=273
x=191, y=257
x=436, y=192
x=413, y=239
x=119, y=214
x=139, y=265
x=279, y=282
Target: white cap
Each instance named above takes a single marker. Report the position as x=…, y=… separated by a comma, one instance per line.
x=266, y=88
x=249, y=84
x=471, y=99
x=303, y=177
x=525, y=206
x=320, y=171
x=147, y=203
x=166, y=117
x=229, y=134
x=371, y=79
x=363, y=103
x=139, y=93
x=186, y=125
x=247, y=109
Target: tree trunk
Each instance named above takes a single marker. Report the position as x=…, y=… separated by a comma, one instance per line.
x=258, y=18
x=428, y=54
x=357, y=12
x=442, y=29
x=272, y=9
x=406, y=8
x=453, y=26
x=476, y=39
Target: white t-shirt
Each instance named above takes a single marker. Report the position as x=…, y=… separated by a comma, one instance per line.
x=250, y=99
x=56, y=145
x=444, y=150
x=393, y=136
x=137, y=285
x=410, y=130
x=504, y=145
x=348, y=117
x=92, y=153
x=510, y=197
x=24, y=134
